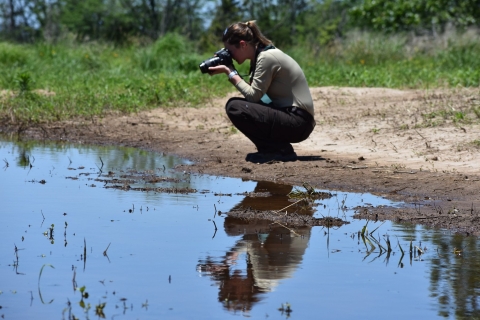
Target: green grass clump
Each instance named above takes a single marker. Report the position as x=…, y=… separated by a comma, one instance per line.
x=13, y=55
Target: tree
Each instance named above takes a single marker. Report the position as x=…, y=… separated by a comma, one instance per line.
x=18, y=20
x=47, y=14
x=322, y=23
x=224, y=14
x=401, y=15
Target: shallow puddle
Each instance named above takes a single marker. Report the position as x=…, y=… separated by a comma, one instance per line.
x=97, y=232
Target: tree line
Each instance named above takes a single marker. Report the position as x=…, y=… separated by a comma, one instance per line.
x=287, y=22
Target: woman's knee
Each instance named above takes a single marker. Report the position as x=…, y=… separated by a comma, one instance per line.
x=232, y=105
x=308, y=131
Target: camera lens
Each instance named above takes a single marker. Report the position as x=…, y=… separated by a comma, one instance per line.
x=212, y=62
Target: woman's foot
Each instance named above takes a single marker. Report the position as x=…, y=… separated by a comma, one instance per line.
x=264, y=157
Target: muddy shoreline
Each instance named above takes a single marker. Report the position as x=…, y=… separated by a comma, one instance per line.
x=440, y=194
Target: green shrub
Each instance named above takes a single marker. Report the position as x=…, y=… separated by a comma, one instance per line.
x=171, y=53
x=13, y=55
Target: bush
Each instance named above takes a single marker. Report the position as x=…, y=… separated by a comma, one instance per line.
x=13, y=55
x=172, y=53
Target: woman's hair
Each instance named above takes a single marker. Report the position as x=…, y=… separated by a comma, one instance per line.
x=246, y=31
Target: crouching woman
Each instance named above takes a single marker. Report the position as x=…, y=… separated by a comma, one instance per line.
x=277, y=108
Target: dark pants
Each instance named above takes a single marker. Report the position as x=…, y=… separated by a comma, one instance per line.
x=271, y=129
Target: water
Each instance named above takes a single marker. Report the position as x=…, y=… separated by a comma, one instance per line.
x=72, y=245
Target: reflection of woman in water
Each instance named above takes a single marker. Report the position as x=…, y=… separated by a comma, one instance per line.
x=256, y=264
x=265, y=254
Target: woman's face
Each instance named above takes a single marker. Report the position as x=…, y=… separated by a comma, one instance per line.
x=241, y=52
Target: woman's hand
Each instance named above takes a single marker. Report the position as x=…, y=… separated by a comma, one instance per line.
x=219, y=69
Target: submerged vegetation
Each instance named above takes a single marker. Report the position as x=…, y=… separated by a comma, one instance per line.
x=48, y=82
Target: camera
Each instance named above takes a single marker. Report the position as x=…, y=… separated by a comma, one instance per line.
x=222, y=57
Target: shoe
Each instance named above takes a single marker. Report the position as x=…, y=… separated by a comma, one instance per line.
x=264, y=157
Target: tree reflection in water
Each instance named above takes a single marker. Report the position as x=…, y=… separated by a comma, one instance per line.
x=265, y=254
x=454, y=275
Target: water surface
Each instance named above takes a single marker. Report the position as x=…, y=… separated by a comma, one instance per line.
x=71, y=244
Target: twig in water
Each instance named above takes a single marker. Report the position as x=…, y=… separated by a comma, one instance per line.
x=286, y=227
x=401, y=249
x=420, y=251
x=289, y=206
x=105, y=252
x=84, y=253
x=74, y=282
x=364, y=229
x=39, y=276
x=377, y=227
x=215, y=229
x=100, y=168
x=389, y=247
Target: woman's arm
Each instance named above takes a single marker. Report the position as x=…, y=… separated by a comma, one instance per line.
x=229, y=71
x=266, y=69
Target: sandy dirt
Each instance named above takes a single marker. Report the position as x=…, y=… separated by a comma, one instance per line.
x=417, y=146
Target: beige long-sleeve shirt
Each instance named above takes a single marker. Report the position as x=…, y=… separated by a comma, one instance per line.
x=281, y=78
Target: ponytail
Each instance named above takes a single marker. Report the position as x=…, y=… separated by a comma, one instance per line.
x=246, y=31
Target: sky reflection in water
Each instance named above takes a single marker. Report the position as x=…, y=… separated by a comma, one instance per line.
x=152, y=255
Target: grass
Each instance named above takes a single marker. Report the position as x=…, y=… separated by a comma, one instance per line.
x=50, y=82
x=402, y=61
x=55, y=82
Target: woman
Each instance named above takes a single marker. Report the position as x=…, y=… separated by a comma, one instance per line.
x=278, y=108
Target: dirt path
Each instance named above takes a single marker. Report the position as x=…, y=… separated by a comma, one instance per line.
x=421, y=147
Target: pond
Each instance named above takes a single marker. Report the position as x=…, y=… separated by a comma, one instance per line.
x=99, y=232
